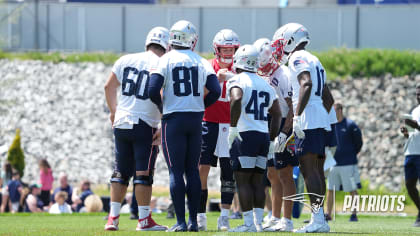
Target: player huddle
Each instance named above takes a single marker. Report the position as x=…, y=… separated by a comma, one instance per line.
x=242, y=108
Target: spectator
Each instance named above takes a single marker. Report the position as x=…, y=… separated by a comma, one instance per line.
x=46, y=180
x=93, y=203
x=6, y=177
x=412, y=155
x=64, y=186
x=60, y=206
x=33, y=202
x=15, y=190
x=345, y=175
x=78, y=200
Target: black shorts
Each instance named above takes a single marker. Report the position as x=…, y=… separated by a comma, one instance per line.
x=134, y=150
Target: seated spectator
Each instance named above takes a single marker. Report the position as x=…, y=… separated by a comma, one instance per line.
x=60, y=206
x=79, y=199
x=46, y=180
x=65, y=187
x=93, y=203
x=15, y=190
x=33, y=202
x=6, y=177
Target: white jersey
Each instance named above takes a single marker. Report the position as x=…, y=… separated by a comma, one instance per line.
x=314, y=115
x=412, y=147
x=133, y=72
x=280, y=82
x=185, y=74
x=332, y=116
x=257, y=97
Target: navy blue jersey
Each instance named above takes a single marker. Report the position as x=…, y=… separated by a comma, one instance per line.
x=349, y=142
x=14, y=193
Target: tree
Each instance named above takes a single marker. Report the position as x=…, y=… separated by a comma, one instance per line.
x=15, y=154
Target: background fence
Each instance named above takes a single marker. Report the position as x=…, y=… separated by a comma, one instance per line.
x=123, y=28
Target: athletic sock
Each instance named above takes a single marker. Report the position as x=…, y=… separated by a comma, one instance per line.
x=259, y=215
x=144, y=211
x=203, y=201
x=224, y=212
x=248, y=218
x=115, y=209
x=319, y=216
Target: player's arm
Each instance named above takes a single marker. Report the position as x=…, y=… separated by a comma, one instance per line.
x=356, y=137
x=275, y=113
x=305, y=83
x=327, y=98
x=214, y=90
x=235, y=96
x=412, y=123
x=153, y=89
x=288, y=124
x=110, y=88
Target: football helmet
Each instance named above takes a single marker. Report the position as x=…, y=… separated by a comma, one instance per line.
x=184, y=34
x=266, y=65
x=158, y=35
x=246, y=58
x=225, y=38
x=286, y=39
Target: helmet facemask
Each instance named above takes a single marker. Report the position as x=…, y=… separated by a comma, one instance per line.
x=223, y=56
x=279, y=55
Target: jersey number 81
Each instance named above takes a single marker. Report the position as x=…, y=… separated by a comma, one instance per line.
x=188, y=78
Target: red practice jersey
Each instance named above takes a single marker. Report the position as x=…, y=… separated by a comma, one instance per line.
x=219, y=112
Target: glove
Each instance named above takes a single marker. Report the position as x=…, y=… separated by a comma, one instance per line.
x=272, y=150
x=280, y=142
x=297, y=127
x=233, y=134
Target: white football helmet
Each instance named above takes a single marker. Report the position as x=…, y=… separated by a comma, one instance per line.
x=158, y=35
x=266, y=65
x=286, y=39
x=225, y=38
x=246, y=58
x=184, y=34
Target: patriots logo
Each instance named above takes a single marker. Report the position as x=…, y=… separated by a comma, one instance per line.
x=300, y=197
x=299, y=62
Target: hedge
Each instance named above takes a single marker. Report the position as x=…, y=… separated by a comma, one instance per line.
x=15, y=154
x=338, y=63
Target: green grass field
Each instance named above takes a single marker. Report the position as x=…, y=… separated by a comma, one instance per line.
x=92, y=224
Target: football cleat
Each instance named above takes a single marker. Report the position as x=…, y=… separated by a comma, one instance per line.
x=202, y=221
x=112, y=224
x=178, y=228
x=285, y=225
x=268, y=226
x=148, y=224
x=244, y=228
x=223, y=223
x=314, y=227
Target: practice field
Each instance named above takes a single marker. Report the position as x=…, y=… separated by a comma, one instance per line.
x=92, y=224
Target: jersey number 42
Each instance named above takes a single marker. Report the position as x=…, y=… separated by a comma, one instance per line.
x=257, y=107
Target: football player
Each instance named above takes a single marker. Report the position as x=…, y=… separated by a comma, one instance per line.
x=216, y=123
x=183, y=74
x=310, y=95
x=280, y=166
x=135, y=120
x=251, y=100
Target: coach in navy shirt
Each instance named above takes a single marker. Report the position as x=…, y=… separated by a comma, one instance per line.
x=345, y=175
